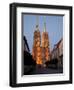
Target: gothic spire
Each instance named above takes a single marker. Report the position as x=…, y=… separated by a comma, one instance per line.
x=37, y=23
x=44, y=23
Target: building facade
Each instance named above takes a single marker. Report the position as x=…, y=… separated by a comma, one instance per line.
x=41, y=50
x=37, y=51
x=57, y=52
x=45, y=45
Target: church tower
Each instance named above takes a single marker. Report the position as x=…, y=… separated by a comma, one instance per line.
x=37, y=51
x=45, y=44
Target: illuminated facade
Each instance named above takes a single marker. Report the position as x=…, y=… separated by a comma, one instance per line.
x=41, y=50
x=37, y=51
x=45, y=45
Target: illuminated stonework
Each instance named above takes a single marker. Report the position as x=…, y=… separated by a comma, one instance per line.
x=45, y=47
x=41, y=50
x=37, y=51
x=45, y=44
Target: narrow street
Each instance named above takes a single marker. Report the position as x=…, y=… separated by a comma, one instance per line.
x=44, y=70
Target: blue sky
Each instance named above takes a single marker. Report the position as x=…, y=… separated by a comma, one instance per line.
x=54, y=27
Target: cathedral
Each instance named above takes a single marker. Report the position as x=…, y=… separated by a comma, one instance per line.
x=41, y=45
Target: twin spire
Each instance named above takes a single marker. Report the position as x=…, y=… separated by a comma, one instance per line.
x=44, y=24
x=37, y=23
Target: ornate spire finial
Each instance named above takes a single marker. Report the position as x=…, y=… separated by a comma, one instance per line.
x=37, y=22
x=37, y=19
x=44, y=23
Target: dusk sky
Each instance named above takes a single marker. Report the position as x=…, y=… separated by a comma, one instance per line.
x=54, y=27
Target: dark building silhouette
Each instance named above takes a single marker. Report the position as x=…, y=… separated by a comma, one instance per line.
x=26, y=46
x=28, y=63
